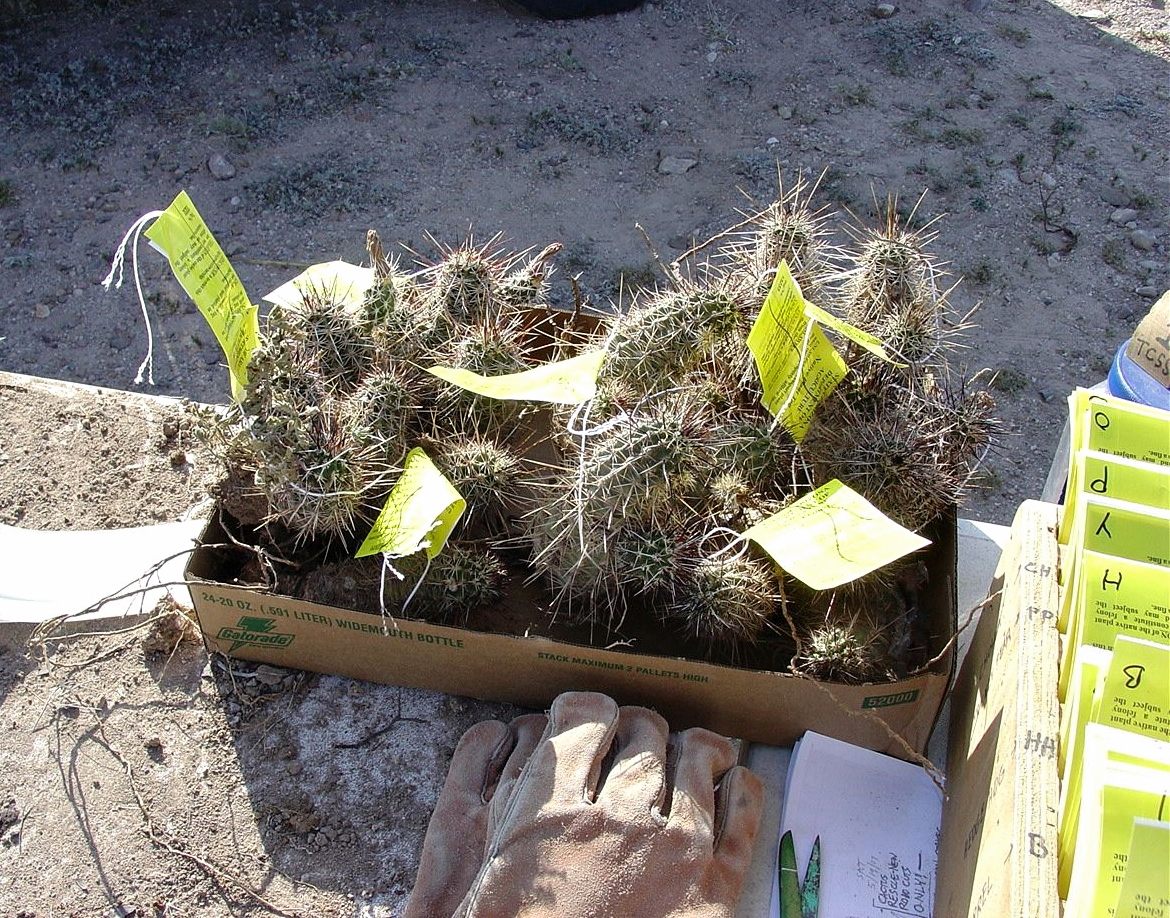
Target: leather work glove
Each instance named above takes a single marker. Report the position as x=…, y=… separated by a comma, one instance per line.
x=603, y=823
x=484, y=767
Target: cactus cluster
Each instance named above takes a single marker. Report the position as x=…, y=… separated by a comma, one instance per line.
x=633, y=503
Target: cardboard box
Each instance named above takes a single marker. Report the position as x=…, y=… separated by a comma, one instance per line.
x=763, y=707
x=997, y=849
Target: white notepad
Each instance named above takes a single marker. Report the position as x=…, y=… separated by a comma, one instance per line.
x=878, y=819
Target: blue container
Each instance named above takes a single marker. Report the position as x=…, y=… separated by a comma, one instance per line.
x=1129, y=381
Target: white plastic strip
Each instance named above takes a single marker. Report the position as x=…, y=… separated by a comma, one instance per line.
x=46, y=573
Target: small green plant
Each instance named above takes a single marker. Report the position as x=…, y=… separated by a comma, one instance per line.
x=631, y=278
x=1064, y=129
x=1113, y=254
x=1017, y=35
x=567, y=61
x=231, y=126
x=718, y=25
x=1009, y=380
x=855, y=94
x=1037, y=89
x=981, y=272
x=955, y=137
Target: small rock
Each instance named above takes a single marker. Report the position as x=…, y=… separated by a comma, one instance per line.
x=884, y=10
x=41, y=311
x=1048, y=180
x=268, y=675
x=676, y=165
x=711, y=56
x=1123, y=215
x=1095, y=15
x=1143, y=240
x=294, y=768
x=1118, y=197
x=772, y=141
x=219, y=166
x=1147, y=290
x=785, y=112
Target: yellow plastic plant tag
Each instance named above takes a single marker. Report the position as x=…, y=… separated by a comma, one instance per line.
x=798, y=366
x=1113, y=425
x=563, y=382
x=832, y=536
x=339, y=280
x=1145, y=888
x=204, y=271
x=870, y=342
x=420, y=512
x=1136, y=692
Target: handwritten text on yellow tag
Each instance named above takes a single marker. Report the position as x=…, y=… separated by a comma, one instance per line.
x=204, y=271
x=563, y=382
x=832, y=536
x=798, y=366
x=420, y=512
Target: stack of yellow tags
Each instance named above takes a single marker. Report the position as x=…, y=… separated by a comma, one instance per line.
x=1114, y=753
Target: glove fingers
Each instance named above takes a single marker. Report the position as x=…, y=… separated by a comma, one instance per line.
x=527, y=730
x=739, y=806
x=476, y=764
x=700, y=760
x=453, y=847
x=565, y=765
x=636, y=782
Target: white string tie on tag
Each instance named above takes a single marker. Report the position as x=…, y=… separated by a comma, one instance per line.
x=117, y=270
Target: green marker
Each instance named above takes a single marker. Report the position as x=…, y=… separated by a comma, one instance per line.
x=790, y=904
x=799, y=900
x=810, y=891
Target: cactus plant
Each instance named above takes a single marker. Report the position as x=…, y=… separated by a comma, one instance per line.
x=637, y=501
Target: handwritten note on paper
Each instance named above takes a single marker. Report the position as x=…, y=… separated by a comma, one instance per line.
x=420, y=512
x=878, y=819
x=342, y=282
x=832, y=536
x=205, y=273
x=562, y=382
x=798, y=366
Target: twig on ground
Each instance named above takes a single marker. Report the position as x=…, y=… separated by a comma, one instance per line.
x=214, y=872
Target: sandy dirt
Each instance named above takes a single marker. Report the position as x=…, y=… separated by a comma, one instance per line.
x=136, y=782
